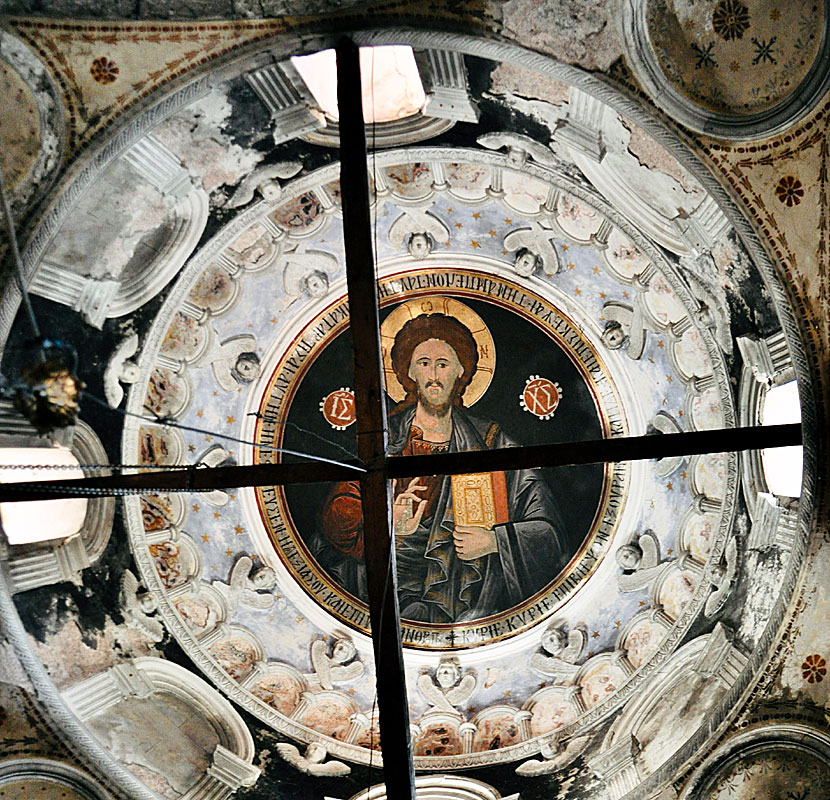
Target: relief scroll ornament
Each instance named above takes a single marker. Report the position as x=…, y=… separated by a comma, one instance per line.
x=312, y=762
x=519, y=149
x=723, y=579
x=446, y=689
x=554, y=759
x=121, y=369
x=264, y=181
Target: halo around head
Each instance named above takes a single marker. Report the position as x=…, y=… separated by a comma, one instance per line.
x=435, y=304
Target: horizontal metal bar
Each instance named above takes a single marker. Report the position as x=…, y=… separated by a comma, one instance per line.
x=626, y=448
x=594, y=451
x=202, y=479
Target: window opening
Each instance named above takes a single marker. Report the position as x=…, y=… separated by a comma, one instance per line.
x=783, y=466
x=390, y=83
x=40, y=521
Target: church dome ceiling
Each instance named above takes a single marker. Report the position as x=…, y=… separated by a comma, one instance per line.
x=689, y=54
x=609, y=289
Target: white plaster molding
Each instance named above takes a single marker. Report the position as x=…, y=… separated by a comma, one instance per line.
x=444, y=76
x=94, y=695
x=159, y=167
x=720, y=658
x=30, y=570
x=767, y=363
x=191, y=215
x=231, y=771
x=88, y=296
x=581, y=129
x=702, y=228
x=17, y=771
x=46, y=563
x=230, y=767
x=644, y=63
x=52, y=126
x=769, y=359
x=284, y=93
x=773, y=525
x=97, y=527
x=15, y=429
x=96, y=299
x=652, y=691
x=617, y=766
x=791, y=736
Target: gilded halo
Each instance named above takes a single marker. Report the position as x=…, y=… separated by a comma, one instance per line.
x=435, y=304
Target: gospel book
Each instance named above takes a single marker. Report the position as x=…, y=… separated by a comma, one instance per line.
x=480, y=499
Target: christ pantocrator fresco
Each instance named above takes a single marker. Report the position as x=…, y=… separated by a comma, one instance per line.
x=466, y=548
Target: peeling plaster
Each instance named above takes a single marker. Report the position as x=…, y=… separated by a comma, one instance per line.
x=508, y=78
x=69, y=659
x=197, y=137
x=654, y=156
x=580, y=32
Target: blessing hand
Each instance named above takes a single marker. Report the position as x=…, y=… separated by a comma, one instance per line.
x=406, y=515
x=472, y=542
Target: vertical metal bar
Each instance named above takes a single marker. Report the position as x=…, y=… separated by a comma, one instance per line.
x=379, y=549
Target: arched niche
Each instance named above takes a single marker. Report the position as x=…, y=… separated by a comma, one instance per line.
x=208, y=750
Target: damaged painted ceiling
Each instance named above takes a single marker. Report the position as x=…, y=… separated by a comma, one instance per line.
x=627, y=206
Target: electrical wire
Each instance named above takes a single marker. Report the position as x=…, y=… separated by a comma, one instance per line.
x=301, y=429
x=18, y=263
x=169, y=423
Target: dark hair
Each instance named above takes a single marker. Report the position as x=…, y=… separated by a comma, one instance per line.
x=434, y=326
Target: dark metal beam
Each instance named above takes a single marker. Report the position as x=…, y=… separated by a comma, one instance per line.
x=364, y=325
x=627, y=448
x=594, y=451
x=204, y=479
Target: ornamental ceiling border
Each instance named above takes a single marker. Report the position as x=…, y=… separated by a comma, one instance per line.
x=177, y=295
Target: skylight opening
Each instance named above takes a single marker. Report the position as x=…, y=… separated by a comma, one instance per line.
x=783, y=466
x=39, y=520
x=391, y=85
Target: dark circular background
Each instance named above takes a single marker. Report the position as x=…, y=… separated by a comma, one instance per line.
x=522, y=349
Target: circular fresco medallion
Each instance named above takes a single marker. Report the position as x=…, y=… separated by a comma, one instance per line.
x=479, y=557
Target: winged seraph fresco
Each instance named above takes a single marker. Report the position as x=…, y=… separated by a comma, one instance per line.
x=447, y=689
x=137, y=605
x=338, y=667
x=248, y=586
x=413, y=222
x=561, y=651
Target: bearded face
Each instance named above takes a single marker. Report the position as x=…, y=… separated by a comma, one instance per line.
x=435, y=369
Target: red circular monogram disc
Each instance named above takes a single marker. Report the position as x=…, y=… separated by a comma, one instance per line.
x=540, y=397
x=338, y=408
